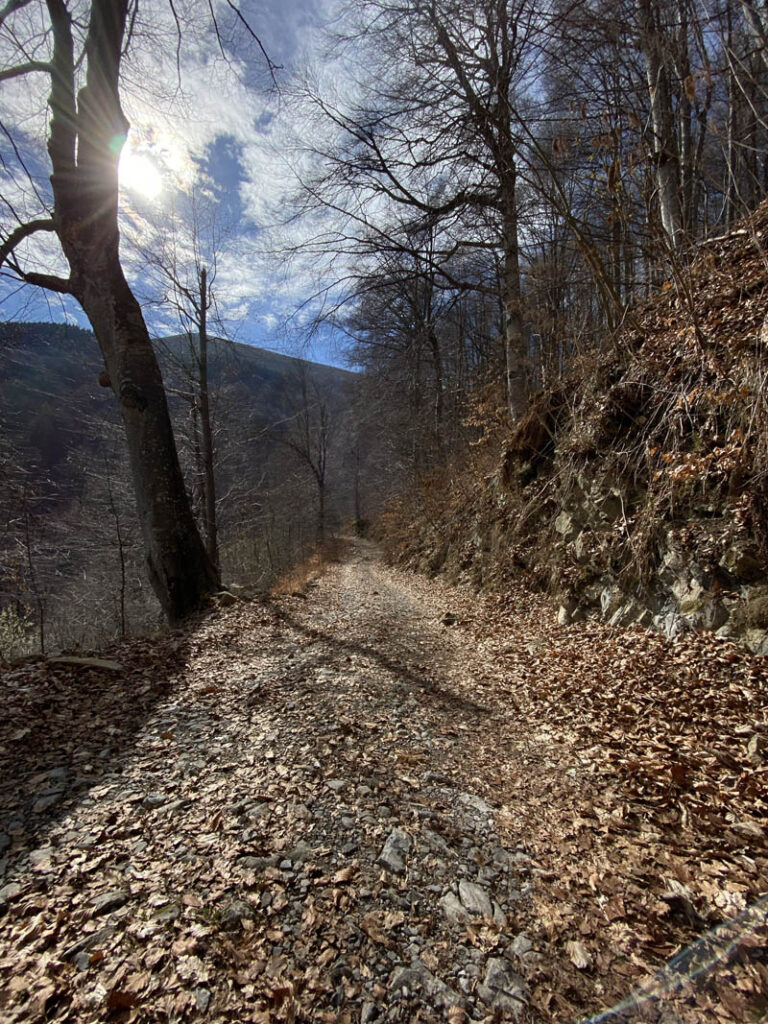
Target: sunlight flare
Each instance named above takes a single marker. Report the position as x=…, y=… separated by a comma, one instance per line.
x=140, y=174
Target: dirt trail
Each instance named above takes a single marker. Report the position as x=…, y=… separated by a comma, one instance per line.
x=341, y=805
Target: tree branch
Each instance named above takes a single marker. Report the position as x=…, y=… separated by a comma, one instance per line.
x=10, y=7
x=48, y=281
x=25, y=69
x=20, y=233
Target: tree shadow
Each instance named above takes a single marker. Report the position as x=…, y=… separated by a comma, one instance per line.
x=66, y=729
x=418, y=680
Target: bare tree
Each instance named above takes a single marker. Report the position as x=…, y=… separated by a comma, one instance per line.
x=86, y=133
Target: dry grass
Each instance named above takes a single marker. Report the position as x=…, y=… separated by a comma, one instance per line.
x=296, y=580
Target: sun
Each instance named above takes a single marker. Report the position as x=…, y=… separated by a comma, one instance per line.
x=139, y=173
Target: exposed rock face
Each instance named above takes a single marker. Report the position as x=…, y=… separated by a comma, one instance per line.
x=635, y=490
x=690, y=589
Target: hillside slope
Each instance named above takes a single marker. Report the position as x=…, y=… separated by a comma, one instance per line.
x=636, y=489
x=69, y=538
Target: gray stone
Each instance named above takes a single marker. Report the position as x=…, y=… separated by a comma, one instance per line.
x=202, y=999
x=503, y=988
x=475, y=898
x=82, y=961
x=521, y=945
x=8, y=893
x=453, y=909
x=153, y=800
x=417, y=978
x=5, y=842
x=565, y=526
x=369, y=1012
x=45, y=802
x=582, y=547
x=235, y=913
x=87, y=942
x=396, y=849
x=300, y=852
x=476, y=803
x=167, y=913
x=109, y=901
x=38, y=858
x=336, y=784
x=611, y=599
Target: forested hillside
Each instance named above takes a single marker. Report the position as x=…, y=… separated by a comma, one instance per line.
x=70, y=542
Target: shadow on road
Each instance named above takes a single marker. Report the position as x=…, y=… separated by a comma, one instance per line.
x=419, y=680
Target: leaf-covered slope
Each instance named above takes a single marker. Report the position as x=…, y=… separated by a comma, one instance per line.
x=636, y=488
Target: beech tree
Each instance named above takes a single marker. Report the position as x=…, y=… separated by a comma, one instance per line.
x=86, y=133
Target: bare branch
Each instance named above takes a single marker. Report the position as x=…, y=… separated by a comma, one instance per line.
x=50, y=282
x=24, y=69
x=23, y=231
x=10, y=7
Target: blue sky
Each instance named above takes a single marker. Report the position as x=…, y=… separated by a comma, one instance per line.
x=215, y=147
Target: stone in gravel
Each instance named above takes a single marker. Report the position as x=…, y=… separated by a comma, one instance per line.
x=202, y=999
x=369, y=1012
x=476, y=804
x=46, y=801
x=88, y=942
x=83, y=961
x=5, y=842
x=336, y=784
x=40, y=860
x=417, y=978
x=499, y=917
x=453, y=910
x=475, y=899
x=109, y=901
x=260, y=863
x=153, y=800
x=503, y=988
x=174, y=805
x=396, y=849
x=521, y=945
x=300, y=852
x=235, y=913
x=167, y=913
x=7, y=893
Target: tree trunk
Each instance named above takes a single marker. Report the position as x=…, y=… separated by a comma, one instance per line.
x=514, y=332
x=181, y=573
x=84, y=145
x=665, y=154
x=209, y=489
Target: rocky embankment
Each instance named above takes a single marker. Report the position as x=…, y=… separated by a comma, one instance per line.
x=635, y=491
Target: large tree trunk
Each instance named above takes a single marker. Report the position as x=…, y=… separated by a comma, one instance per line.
x=179, y=569
x=84, y=145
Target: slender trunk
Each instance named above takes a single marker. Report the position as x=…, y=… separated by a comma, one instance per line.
x=209, y=490
x=514, y=334
x=665, y=154
x=438, y=370
x=320, y=511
